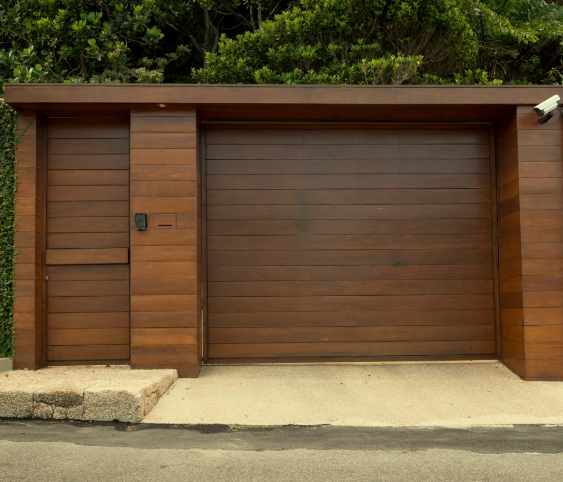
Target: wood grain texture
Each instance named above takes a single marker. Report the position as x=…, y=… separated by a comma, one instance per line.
x=163, y=140
x=540, y=180
x=88, y=193
x=351, y=318
x=88, y=128
x=163, y=156
x=87, y=241
x=87, y=256
x=147, y=96
x=27, y=241
x=343, y=349
x=81, y=353
x=87, y=146
x=164, y=124
x=511, y=298
x=165, y=262
x=349, y=334
x=337, y=242
x=89, y=161
x=57, y=321
x=170, y=319
x=88, y=336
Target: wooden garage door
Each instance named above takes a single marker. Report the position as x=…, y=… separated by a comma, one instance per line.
x=349, y=243
x=87, y=241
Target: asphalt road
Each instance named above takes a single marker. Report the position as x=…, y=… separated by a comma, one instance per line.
x=64, y=451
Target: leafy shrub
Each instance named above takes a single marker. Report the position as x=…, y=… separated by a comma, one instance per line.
x=8, y=142
x=395, y=42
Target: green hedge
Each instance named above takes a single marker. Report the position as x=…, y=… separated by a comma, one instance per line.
x=8, y=143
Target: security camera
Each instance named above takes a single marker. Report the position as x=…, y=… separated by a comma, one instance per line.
x=546, y=108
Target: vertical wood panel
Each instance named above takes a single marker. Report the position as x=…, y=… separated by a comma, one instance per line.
x=166, y=326
x=27, y=307
x=509, y=240
x=539, y=148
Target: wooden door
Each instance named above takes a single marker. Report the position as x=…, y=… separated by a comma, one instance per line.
x=87, y=241
x=355, y=244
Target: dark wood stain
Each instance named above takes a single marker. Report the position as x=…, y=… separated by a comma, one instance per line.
x=349, y=243
x=87, y=241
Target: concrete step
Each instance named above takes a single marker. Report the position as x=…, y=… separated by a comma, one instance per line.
x=83, y=393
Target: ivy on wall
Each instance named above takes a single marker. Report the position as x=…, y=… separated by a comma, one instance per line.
x=8, y=142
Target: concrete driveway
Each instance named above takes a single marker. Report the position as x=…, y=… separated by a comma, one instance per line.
x=413, y=394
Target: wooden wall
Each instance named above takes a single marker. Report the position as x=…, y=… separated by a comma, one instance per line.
x=531, y=239
x=27, y=306
x=540, y=165
x=510, y=247
x=165, y=259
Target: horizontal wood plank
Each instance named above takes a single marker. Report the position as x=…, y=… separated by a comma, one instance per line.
x=345, y=242
x=163, y=156
x=163, y=124
x=350, y=273
x=87, y=193
x=88, y=146
x=89, y=288
x=168, y=319
x=163, y=140
x=87, y=240
x=349, y=303
x=350, y=181
x=346, y=212
x=349, y=196
x=351, y=318
x=88, y=304
x=348, y=288
x=87, y=256
x=87, y=209
x=102, y=224
x=88, y=128
x=360, y=257
x=371, y=349
x=163, y=336
x=345, y=136
x=350, y=334
x=69, y=321
x=90, y=353
x=88, y=161
x=88, y=336
x=102, y=177
x=89, y=272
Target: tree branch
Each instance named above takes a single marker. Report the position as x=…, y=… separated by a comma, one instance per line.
x=192, y=39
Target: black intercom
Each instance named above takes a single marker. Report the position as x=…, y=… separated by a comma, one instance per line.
x=141, y=221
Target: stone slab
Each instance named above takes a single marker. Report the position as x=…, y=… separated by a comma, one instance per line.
x=83, y=393
x=6, y=365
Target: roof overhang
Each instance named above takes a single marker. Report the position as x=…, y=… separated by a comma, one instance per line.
x=283, y=102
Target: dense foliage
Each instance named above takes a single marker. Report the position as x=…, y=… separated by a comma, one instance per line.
x=118, y=40
x=397, y=42
x=8, y=141
x=281, y=41
x=82, y=40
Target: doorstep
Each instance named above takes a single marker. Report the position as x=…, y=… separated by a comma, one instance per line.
x=83, y=393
